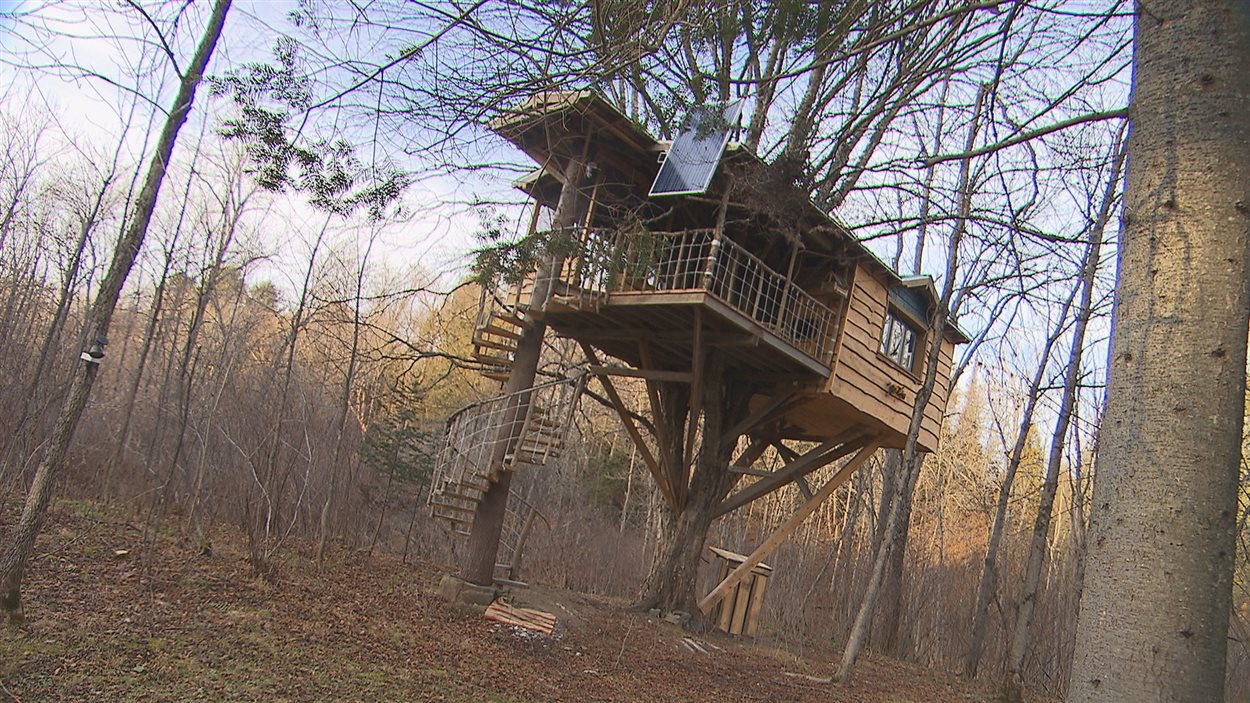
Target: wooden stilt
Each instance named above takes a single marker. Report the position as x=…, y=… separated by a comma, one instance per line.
x=696, y=390
x=776, y=538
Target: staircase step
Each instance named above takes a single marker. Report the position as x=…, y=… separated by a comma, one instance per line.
x=545, y=453
x=472, y=483
x=456, y=499
x=530, y=444
x=496, y=375
x=533, y=459
x=498, y=361
x=456, y=520
x=492, y=344
x=511, y=317
x=449, y=507
x=498, y=331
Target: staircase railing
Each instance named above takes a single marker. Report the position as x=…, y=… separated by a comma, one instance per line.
x=465, y=470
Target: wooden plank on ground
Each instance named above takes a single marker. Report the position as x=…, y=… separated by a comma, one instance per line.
x=526, y=618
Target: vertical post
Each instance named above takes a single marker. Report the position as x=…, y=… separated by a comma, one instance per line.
x=787, y=330
x=713, y=251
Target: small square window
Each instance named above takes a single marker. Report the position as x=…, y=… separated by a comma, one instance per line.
x=898, y=341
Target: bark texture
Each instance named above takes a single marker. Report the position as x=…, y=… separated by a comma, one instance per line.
x=671, y=583
x=1153, y=622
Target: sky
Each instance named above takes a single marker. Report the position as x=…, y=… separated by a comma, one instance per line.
x=84, y=112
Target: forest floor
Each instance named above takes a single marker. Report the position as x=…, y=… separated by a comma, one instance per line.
x=198, y=627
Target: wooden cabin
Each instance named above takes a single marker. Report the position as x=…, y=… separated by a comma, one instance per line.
x=782, y=289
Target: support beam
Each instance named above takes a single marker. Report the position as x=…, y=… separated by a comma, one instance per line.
x=770, y=545
x=649, y=374
x=628, y=334
x=824, y=454
x=627, y=419
x=664, y=443
x=696, y=391
x=804, y=488
x=771, y=410
x=790, y=455
x=747, y=458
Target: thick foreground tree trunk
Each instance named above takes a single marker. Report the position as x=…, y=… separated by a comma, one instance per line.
x=20, y=542
x=1153, y=622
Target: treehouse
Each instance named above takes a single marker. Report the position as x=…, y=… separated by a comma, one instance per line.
x=709, y=274
x=698, y=243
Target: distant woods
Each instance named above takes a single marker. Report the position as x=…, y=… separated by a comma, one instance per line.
x=248, y=379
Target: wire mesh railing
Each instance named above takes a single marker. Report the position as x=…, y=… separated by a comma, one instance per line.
x=531, y=426
x=701, y=260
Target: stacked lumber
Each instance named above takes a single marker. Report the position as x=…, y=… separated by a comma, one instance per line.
x=526, y=618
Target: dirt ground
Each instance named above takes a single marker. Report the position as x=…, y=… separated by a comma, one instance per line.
x=198, y=627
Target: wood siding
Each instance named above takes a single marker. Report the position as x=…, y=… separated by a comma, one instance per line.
x=862, y=376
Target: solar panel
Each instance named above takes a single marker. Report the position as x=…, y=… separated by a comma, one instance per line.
x=697, y=150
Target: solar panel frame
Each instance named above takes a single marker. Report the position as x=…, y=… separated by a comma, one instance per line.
x=692, y=159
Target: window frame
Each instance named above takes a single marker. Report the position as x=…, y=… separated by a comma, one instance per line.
x=895, y=318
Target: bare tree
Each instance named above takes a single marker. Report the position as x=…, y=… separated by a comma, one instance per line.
x=20, y=542
x=1014, y=684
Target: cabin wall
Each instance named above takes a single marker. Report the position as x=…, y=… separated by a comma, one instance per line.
x=864, y=378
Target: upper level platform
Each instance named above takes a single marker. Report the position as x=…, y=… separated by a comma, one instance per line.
x=649, y=291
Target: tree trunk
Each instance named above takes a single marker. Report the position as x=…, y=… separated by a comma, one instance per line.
x=20, y=542
x=912, y=462
x=672, y=582
x=479, y=564
x=987, y=586
x=1153, y=622
x=890, y=617
x=340, y=424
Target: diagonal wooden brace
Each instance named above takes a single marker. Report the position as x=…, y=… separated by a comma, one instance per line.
x=823, y=455
x=776, y=538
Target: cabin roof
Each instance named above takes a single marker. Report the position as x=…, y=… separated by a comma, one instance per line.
x=549, y=126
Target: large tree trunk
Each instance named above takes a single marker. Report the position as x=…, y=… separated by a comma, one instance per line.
x=672, y=581
x=1153, y=622
x=20, y=542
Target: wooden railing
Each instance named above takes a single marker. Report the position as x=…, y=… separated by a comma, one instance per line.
x=701, y=261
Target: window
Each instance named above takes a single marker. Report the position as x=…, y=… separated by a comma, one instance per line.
x=898, y=341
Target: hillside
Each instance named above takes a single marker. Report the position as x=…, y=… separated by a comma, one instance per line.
x=200, y=628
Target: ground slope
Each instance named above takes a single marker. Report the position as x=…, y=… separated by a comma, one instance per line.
x=198, y=627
